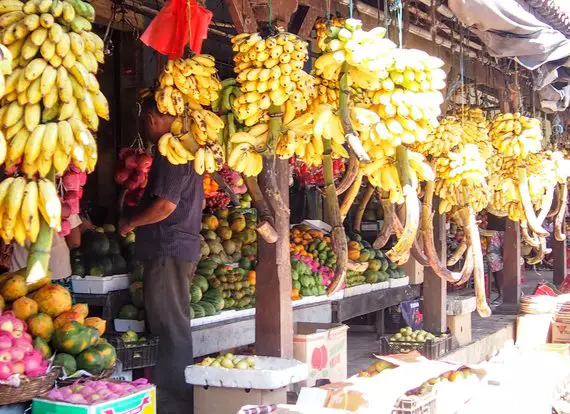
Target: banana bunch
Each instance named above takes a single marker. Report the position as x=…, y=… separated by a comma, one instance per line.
x=516, y=135
x=328, y=92
x=22, y=202
x=474, y=114
x=205, y=126
x=443, y=139
x=383, y=173
x=368, y=53
x=473, y=132
x=5, y=67
x=269, y=72
x=324, y=29
x=183, y=148
x=51, y=144
x=461, y=179
x=244, y=157
x=189, y=81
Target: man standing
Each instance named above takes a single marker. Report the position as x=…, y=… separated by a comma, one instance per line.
x=168, y=241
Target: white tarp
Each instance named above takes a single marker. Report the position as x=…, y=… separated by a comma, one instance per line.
x=509, y=28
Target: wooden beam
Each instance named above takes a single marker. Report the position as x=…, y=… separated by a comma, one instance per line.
x=559, y=258
x=274, y=318
x=435, y=288
x=242, y=15
x=512, y=266
x=309, y=22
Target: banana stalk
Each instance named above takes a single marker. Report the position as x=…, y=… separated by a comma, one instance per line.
x=350, y=196
x=496, y=213
x=362, y=206
x=338, y=233
x=350, y=135
x=540, y=253
x=349, y=175
x=400, y=252
x=457, y=254
x=556, y=203
x=529, y=239
x=40, y=251
x=265, y=227
x=433, y=261
x=533, y=221
x=416, y=250
x=559, y=230
x=472, y=233
x=386, y=230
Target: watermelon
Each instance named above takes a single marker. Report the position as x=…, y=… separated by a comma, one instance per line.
x=214, y=297
x=201, y=282
x=198, y=310
x=209, y=309
x=195, y=294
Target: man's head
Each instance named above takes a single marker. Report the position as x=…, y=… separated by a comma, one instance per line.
x=155, y=123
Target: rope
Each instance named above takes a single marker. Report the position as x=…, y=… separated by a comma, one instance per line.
x=189, y=25
x=462, y=75
x=270, y=11
x=399, y=18
x=350, y=6
x=386, y=15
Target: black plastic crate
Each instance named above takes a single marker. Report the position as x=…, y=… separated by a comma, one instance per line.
x=431, y=349
x=107, y=305
x=135, y=355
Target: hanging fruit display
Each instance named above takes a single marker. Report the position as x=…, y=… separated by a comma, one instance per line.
x=131, y=172
x=71, y=192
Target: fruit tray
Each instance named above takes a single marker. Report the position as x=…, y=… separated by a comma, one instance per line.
x=270, y=373
x=417, y=404
x=431, y=349
x=99, y=285
x=135, y=355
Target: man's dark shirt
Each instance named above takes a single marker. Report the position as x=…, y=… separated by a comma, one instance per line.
x=179, y=234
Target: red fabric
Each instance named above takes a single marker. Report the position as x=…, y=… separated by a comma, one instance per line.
x=168, y=31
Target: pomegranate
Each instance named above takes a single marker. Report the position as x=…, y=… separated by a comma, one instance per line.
x=144, y=161
x=131, y=162
x=121, y=175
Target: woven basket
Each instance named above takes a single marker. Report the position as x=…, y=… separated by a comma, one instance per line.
x=68, y=381
x=29, y=388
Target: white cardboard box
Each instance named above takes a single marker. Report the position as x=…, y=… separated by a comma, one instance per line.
x=98, y=285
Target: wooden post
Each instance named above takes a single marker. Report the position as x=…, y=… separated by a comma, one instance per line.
x=435, y=288
x=512, y=268
x=274, y=316
x=559, y=257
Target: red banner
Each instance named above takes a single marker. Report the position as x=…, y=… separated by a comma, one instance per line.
x=168, y=32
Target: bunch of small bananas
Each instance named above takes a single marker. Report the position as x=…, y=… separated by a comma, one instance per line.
x=201, y=144
x=383, y=174
x=22, y=202
x=52, y=96
x=516, y=135
x=328, y=92
x=189, y=81
x=368, y=53
x=52, y=144
x=443, y=139
x=5, y=67
x=270, y=71
x=476, y=132
x=461, y=179
x=244, y=157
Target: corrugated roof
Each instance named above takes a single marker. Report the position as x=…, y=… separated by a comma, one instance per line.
x=554, y=12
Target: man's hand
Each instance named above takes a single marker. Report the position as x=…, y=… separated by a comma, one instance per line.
x=125, y=227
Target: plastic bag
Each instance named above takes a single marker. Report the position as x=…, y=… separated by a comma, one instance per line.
x=168, y=31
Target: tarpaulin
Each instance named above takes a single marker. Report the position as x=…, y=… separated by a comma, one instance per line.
x=509, y=28
x=168, y=32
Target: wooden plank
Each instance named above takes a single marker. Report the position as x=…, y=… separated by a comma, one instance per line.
x=512, y=265
x=242, y=15
x=559, y=257
x=273, y=291
x=309, y=22
x=353, y=306
x=435, y=288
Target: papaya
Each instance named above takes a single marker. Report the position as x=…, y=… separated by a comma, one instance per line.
x=24, y=307
x=14, y=288
x=107, y=353
x=68, y=316
x=66, y=361
x=81, y=308
x=94, y=335
x=211, y=222
x=41, y=325
x=72, y=338
x=53, y=300
x=38, y=284
x=98, y=323
x=91, y=361
x=43, y=347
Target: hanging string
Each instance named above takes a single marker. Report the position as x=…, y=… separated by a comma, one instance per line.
x=350, y=6
x=462, y=75
x=329, y=15
x=386, y=15
x=378, y=14
x=189, y=25
x=270, y=11
x=399, y=18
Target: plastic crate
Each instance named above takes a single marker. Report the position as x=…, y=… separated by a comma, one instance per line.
x=416, y=404
x=135, y=355
x=99, y=285
x=106, y=306
x=431, y=349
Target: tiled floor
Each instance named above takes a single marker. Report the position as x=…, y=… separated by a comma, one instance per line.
x=362, y=345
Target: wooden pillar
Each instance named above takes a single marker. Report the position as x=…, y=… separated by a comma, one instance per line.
x=512, y=267
x=559, y=257
x=274, y=310
x=435, y=288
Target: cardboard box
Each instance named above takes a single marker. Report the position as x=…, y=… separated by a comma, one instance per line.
x=143, y=402
x=323, y=347
x=533, y=329
x=560, y=333
x=460, y=327
x=210, y=400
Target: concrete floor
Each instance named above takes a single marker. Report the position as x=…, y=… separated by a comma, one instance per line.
x=489, y=334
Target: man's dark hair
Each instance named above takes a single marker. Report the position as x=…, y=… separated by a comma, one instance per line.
x=148, y=107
